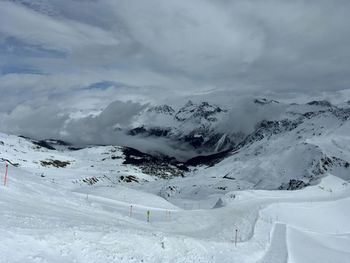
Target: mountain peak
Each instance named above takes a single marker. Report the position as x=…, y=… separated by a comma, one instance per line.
x=264, y=101
x=162, y=109
x=322, y=103
x=197, y=112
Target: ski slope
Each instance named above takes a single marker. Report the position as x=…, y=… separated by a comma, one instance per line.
x=46, y=221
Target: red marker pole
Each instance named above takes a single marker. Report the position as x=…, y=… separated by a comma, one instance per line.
x=5, y=178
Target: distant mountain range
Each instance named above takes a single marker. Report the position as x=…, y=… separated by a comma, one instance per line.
x=304, y=144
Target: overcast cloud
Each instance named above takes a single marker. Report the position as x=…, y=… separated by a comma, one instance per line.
x=85, y=54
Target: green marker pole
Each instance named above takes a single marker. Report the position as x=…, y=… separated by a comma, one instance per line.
x=148, y=215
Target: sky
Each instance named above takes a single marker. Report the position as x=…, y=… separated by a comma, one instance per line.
x=61, y=55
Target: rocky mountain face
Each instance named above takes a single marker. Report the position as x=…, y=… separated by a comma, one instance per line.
x=193, y=125
x=198, y=113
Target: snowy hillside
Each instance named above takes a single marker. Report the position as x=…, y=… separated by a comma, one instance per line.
x=63, y=203
x=303, y=147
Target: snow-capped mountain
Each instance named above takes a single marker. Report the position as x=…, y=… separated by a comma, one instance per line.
x=308, y=141
x=193, y=125
x=161, y=109
x=59, y=199
x=199, y=126
x=199, y=113
x=264, y=101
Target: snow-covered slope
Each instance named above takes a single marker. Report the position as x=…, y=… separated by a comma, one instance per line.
x=64, y=204
x=92, y=165
x=49, y=221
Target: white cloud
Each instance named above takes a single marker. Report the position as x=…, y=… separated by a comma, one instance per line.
x=51, y=122
x=244, y=115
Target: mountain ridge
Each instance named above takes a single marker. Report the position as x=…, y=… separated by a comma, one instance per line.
x=290, y=153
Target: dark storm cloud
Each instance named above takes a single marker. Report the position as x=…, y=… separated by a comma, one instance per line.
x=277, y=45
x=60, y=51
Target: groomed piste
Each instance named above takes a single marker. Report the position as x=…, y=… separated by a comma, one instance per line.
x=48, y=221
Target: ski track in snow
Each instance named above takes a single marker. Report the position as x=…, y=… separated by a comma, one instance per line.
x=277, y=251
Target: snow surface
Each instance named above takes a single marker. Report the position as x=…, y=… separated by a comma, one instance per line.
x=84, y=212
x=43, y=221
